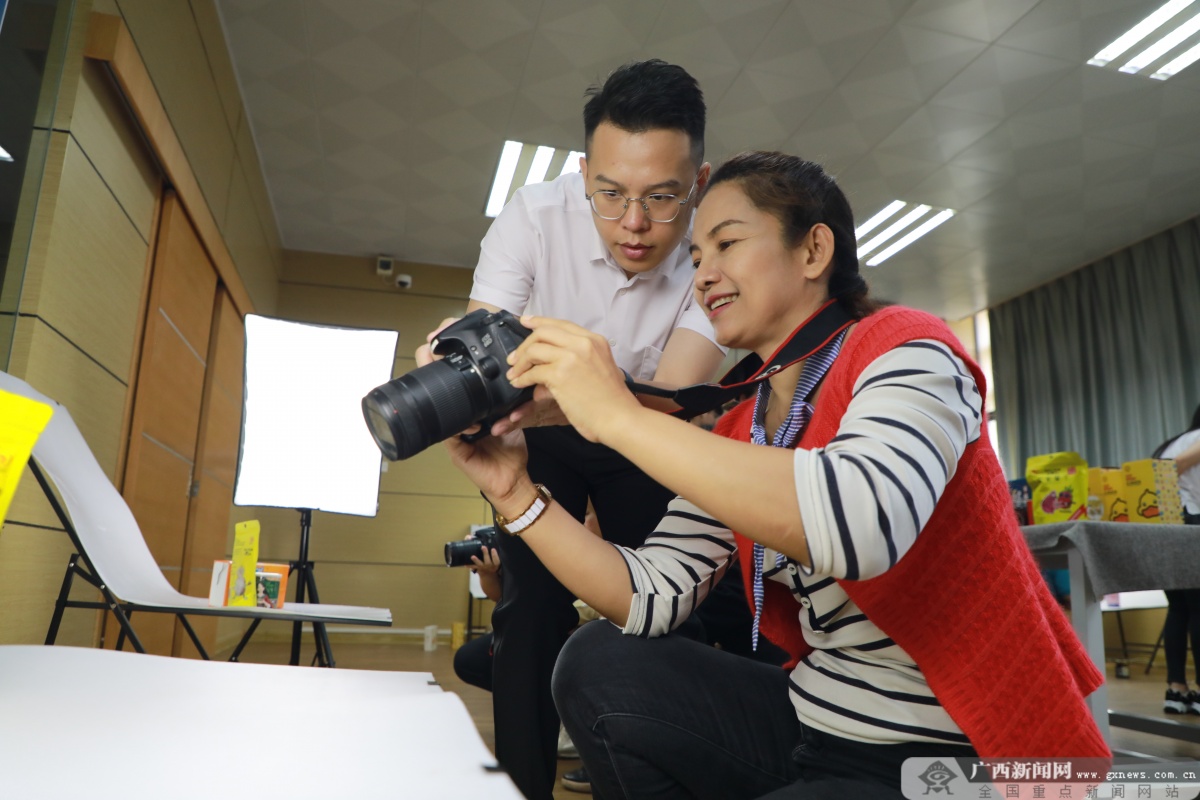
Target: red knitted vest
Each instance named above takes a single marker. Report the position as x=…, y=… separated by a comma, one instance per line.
x=967, y=601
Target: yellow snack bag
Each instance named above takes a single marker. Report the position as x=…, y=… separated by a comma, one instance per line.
x=21, y=422
x=242, y=585
x=1105, y=488
x=1058, y=483
x=1152, y=491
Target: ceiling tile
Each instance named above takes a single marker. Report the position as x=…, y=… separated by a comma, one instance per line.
x=982, y=20
x=379, y=122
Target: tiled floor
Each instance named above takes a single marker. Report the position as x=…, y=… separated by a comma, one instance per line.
x=1139, y=694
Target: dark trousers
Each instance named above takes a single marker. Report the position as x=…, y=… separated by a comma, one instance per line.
x=1182, y=625
x=535, y=613
x=671, y=718
x=473, y=662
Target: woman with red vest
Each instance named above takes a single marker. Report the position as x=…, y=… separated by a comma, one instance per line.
x=857, y=492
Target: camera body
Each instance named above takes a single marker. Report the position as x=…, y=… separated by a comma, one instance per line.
x=403, y=281
x=466, y=387
x=458, y=553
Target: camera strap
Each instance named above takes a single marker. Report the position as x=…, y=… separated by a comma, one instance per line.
x=814, y=333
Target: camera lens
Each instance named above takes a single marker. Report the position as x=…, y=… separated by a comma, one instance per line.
x=425, y=406
x=458, y=554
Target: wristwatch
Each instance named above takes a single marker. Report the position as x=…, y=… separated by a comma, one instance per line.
x=514, y=527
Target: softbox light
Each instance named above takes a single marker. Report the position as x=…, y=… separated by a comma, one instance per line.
x=304, y=442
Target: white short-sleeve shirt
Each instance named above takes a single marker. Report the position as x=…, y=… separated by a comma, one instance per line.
x=544, y=256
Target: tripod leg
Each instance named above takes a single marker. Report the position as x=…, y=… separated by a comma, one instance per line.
x=324, y=650
x=298, y=627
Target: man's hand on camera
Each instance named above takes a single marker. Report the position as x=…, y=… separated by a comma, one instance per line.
x=424, y=353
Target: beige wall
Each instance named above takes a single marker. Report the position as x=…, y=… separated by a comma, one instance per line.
x=89, y=253
x=395, y=559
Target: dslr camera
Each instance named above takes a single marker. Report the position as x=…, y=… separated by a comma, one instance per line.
x=458, y=554
x=466, y=387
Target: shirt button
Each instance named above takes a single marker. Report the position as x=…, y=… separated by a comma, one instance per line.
x=612, y=342
x=623, y=290
x=804, y=601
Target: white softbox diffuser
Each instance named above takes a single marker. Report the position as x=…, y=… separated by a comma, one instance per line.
x=304, y=441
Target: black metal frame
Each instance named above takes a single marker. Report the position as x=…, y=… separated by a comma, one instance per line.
x=78, y=565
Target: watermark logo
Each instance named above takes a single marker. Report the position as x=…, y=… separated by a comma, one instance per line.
x=937, y=777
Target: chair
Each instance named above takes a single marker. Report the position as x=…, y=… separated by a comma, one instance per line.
x=111, y=554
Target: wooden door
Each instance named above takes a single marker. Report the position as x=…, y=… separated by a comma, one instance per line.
x=160, y=469
x=215, y=466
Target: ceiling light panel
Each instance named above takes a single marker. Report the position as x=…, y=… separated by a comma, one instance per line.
x=908, y=222
x=1159, y=46
x=521, y=164
x=4, y=156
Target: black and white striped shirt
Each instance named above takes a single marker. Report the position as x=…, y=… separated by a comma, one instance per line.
x=863, y=499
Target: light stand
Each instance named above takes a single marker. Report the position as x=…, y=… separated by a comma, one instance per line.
x=302, y=569
x=304, y=442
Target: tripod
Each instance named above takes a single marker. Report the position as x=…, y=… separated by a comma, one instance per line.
x=302, y=570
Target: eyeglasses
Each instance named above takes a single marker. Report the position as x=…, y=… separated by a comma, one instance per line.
x=609, y=204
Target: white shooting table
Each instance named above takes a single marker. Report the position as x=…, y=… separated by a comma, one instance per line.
x=78, y=722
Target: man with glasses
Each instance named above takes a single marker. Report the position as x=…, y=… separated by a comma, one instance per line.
x=606, y=248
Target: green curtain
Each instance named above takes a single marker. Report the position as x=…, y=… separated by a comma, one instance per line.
x=1104, y=361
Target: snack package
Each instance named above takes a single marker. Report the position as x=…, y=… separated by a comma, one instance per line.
x=1058, y=483
x=1022, y=507
x=1106, y=485
x=242, y=589
x=1151, y=491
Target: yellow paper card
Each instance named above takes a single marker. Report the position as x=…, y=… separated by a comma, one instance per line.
x=21, y=422
x=245, y=560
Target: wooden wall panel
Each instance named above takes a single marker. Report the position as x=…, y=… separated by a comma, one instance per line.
x=413, y=316
x=32, y=563
x=410, y=529
x=429, y=473
x=247, y=156
x=169, y=42
x=212, y=38
x=102, y=129
x=59, y=369
x=89, y=288
x=247, y=242
x=356, y=272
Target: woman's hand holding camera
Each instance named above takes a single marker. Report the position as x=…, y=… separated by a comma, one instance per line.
x=575, y=367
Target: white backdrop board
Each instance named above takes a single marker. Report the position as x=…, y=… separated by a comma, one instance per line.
x=305, y=443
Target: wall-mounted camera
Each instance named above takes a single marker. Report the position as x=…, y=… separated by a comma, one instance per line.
x=403, y=281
